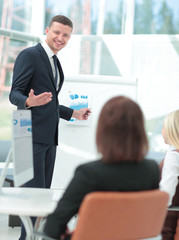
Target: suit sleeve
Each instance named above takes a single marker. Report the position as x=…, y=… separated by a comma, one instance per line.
x=65, y=112
x=22, y=75
x=81, y=184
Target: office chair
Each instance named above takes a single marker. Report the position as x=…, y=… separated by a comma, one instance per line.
x=175, y=209
x=121, y=215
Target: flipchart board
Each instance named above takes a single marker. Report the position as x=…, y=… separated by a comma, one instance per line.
x=77, y=139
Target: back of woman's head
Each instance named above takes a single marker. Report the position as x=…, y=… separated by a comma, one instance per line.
x=120, y=132
x=171, y=126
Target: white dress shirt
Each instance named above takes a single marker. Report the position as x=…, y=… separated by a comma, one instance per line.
x=50, y=54
x=170, y=172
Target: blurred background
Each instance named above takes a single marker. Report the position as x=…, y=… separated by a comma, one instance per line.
x=127, y=38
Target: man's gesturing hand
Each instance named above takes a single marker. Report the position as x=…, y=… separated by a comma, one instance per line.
x=38, y=100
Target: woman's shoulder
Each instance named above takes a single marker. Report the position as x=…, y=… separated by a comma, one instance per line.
x=100, y=164
x=90, y=164
x=150, y=163
x=172, y=151
x=87, y=170
x=171, y=157
x=151, y=168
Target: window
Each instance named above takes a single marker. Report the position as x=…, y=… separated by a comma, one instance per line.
x=156, y=17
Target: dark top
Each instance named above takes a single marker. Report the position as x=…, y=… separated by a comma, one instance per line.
x=99, y=176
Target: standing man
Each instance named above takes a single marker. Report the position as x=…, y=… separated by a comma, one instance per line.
x=37, y=80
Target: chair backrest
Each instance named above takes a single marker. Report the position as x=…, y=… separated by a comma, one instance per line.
x=121, y=215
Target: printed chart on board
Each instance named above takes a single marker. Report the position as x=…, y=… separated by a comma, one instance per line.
x=76, y=101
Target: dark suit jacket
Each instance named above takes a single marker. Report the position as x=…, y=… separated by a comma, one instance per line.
x=99, y=176
x=32, y=70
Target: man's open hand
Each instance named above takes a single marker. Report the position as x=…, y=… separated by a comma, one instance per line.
x=38, y=100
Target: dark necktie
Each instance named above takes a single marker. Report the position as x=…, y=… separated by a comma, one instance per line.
x=55, y=64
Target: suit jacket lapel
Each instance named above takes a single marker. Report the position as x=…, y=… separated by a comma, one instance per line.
x=61, y=75
x=46, y=61
x=48, y=65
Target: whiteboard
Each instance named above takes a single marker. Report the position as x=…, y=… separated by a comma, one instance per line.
x=77, y=143
x=22, y=147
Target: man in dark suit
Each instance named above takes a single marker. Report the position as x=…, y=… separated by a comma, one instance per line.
x=37, y=80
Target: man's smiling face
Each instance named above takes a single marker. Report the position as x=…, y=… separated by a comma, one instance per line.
x=57, y=36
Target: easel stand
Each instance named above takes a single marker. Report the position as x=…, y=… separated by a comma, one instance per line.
x=4, y=170
x=13, y=220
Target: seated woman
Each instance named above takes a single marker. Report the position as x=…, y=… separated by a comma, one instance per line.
x=170, y=172
x=122, y=141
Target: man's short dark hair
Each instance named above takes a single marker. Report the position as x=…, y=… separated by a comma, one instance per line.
x=61, y=19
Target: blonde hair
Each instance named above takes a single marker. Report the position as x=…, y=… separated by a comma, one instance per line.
x=171, y=126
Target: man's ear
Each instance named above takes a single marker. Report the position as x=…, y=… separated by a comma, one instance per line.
x=47, y=30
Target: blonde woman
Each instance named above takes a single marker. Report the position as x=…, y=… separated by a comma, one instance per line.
x=170, y=172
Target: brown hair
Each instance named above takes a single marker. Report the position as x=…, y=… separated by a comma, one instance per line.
x=61, y=19
x=120, y=132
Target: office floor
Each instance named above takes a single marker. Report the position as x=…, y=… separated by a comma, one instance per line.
x=6, y=232
x=9, y=233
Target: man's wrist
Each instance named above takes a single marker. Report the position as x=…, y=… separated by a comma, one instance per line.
x=27, y=105
x=74, y=115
